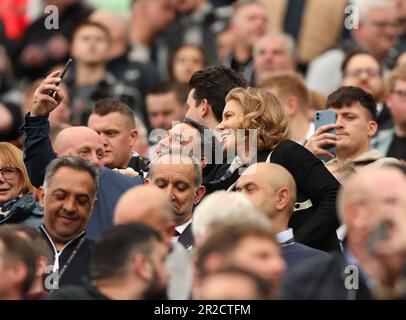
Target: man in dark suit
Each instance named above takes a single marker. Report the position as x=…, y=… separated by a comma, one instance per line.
x=181, y=177
x=272, y=190
x=372, y=265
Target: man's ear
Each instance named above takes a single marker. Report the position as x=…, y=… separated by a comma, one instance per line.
x=282, y=198
x=372, y=128
x=142, y=267
x=292, y=106
x=41, y=196
x=199, y=194
x=133, y=137
x=206, y=108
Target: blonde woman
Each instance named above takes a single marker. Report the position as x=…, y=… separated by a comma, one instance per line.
x=16, y=202
x=254, y=112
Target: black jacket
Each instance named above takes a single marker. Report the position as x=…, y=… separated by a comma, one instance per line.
x=83, y=292
x=79, y=252
x=323, y=278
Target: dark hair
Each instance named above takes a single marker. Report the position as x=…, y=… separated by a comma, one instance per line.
x=210, y=146
x=40, y=246
x=226, y=238
x=117, y=245
x=346, y=96
x=162, y=87
x=188, y=45
x=106, y=106
x=214, y=84
x=75, y=163
x=263, y=291
x=18, y=249
x=359, y=51
x=89, y=23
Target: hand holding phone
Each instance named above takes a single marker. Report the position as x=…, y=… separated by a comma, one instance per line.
x=377, y=235
x=323, y=142
x=61, y=75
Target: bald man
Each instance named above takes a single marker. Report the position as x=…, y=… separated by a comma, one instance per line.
x=369, y=268
x=75, y=141
x=155, y=209
x=272, y=191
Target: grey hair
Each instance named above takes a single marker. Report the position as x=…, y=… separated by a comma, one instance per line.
x=365, y=6
x=73, y=162
x=290, y=42
x=176, y=152
x=230, y=208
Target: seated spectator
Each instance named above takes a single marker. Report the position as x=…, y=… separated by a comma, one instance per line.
x=208, y=90
x=290, y=89
x=392, y=142
x=223, y=208
x=186, y=61
x=251, y=246
x=17, y=265
x=273, y=52
x=166, y=103
x=355, y=127
x=89, y=80
x=17, y=204
x=127, y=264
x=248, y=23
x=366, y=270
x=114, y=122
x=363, y=70
x=272, y=190
x=179, y=176
x=68, y=197
x=154, y=208
x=44, y=261
x=376, y=32
x=232, y=284
x=254, y=112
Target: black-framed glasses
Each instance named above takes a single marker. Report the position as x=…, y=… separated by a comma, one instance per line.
x=9, y=173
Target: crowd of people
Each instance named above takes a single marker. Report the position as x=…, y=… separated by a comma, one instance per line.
x=180, y=158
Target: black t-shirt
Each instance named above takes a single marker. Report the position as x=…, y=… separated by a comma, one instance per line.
x=397, y=148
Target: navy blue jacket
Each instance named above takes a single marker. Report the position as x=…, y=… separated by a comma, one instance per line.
x=38, y=153
x=295, y=253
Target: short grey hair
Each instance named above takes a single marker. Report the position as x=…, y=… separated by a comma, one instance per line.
x=289, y=40
x=230, y=208
x=174, y=153
x=75, y=163
x=365, y=6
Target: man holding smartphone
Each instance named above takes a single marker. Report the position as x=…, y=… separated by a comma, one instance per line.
x=355, y=126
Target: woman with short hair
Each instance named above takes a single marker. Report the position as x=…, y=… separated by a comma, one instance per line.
x=17, y=204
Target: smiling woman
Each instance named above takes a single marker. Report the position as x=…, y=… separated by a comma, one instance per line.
x=16, y=202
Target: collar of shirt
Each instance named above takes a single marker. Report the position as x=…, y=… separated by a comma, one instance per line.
x=180, y=228
x=284, y=236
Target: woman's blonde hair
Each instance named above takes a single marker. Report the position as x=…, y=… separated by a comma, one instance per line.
x=263, y=112
x=11, y=156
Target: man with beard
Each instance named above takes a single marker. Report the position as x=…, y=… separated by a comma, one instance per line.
x=127, y=264
x=68, y=197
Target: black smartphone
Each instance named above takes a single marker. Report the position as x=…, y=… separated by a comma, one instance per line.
x=62, y=74
x=378, y=234
x=323, y=117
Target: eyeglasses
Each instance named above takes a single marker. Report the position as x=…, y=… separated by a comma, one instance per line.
x=358, y=72
x=9, y=173
x=400, y=93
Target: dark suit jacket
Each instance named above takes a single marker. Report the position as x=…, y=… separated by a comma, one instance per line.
x=296, y=253
x=322, y=278
x=186, y=238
